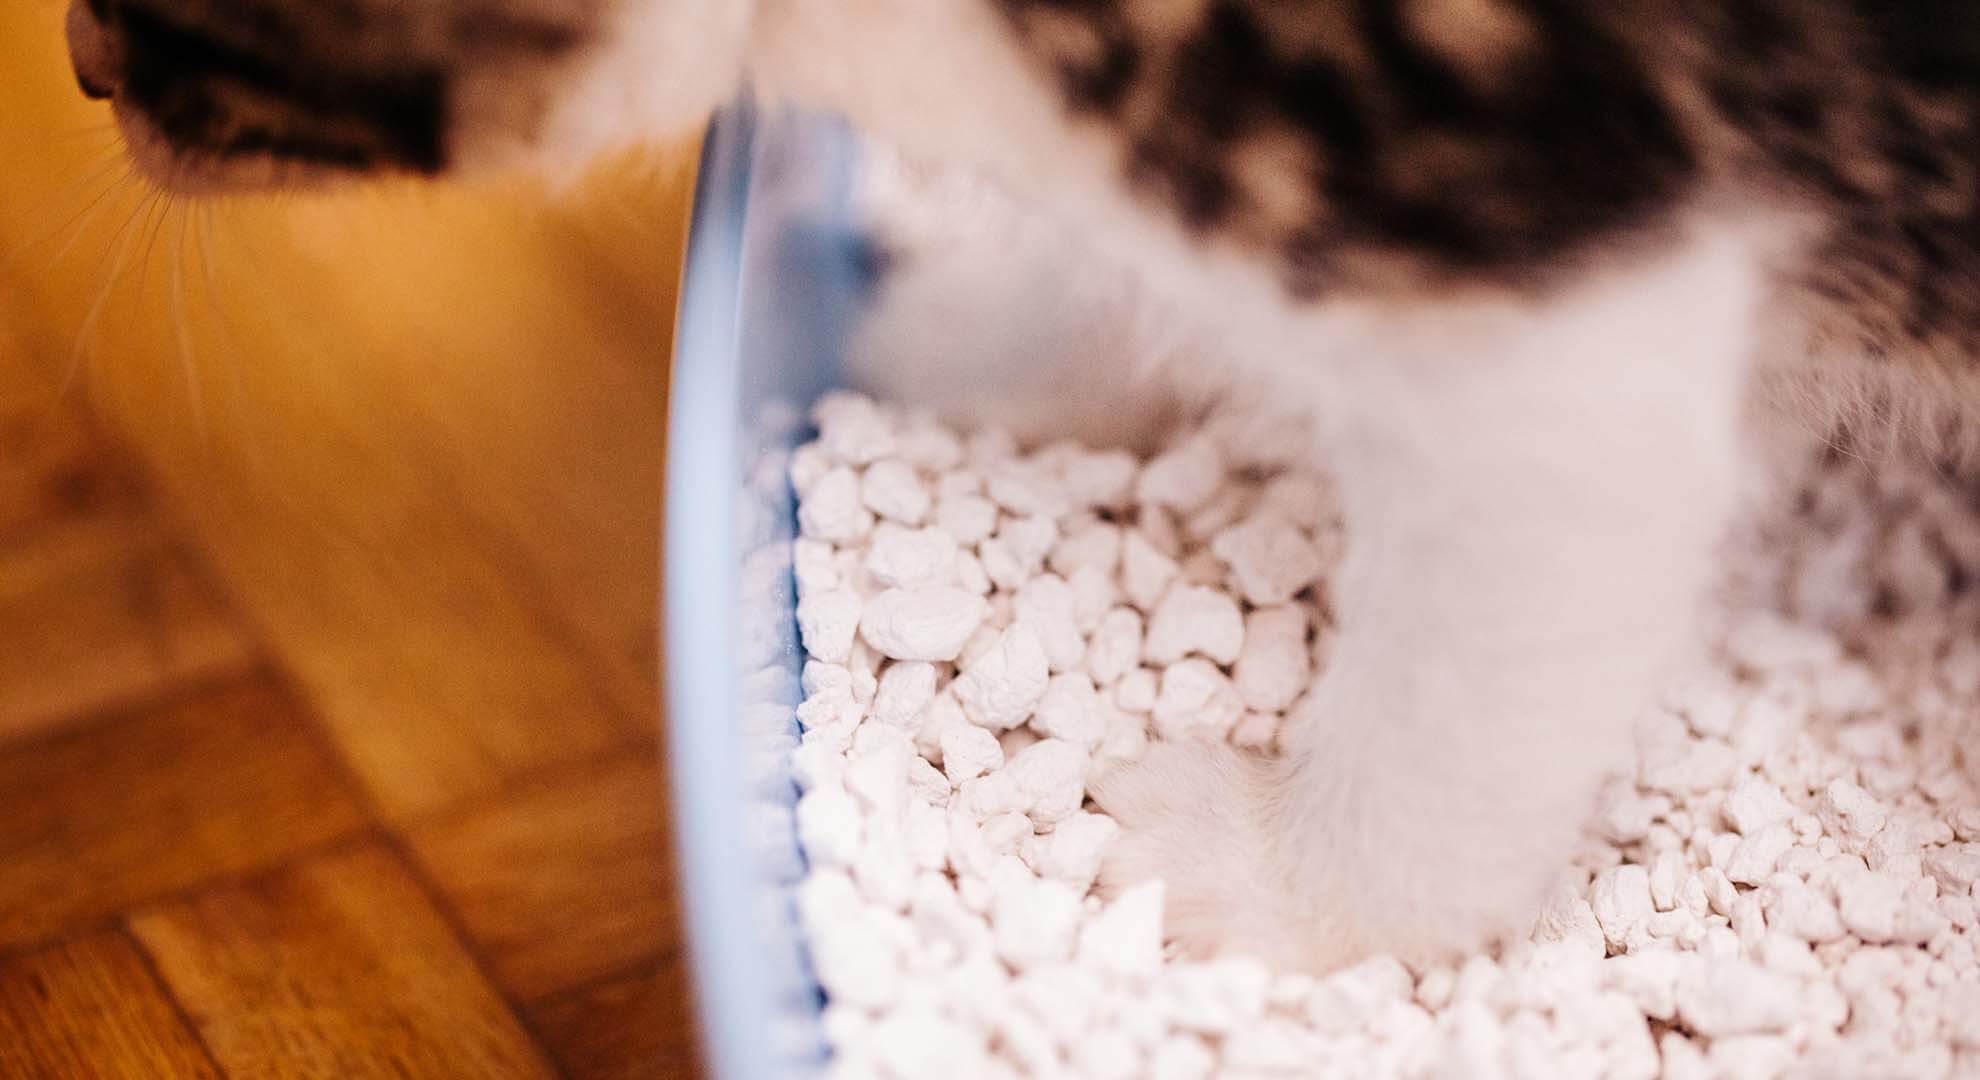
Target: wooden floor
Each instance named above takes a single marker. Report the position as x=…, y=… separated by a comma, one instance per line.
x=204, y=874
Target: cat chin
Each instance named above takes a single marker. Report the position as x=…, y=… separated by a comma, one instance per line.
x=178, y=170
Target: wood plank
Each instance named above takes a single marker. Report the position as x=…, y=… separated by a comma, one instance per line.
x=635, y=1027
x=338, y=968
x=415, y=429
x=101, y=612
x=90, y=1007
x=564, y=879
x=52, y=466
x=555, y=392
x=97, y=605
x=217, y=783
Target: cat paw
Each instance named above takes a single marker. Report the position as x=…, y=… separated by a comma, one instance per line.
x=1198, y=816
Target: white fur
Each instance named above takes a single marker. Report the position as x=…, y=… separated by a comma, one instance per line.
x=1533, y=490
x=661, y=68
x=1533, y=494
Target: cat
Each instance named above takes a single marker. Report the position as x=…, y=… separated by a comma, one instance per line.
x=1526, y=259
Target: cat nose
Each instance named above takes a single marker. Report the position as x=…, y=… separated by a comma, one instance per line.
x=93, y=50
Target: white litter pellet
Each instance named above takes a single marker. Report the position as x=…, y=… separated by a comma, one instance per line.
x=1795, y=909
x=1102, y=478
x=1097, y=545
x=1094, y=594
x=917, y=1040
x=923, y=442
x=1754, y=805
x=808, y=464
x=1036, y=923
x=815, y=565
x=1785, y=884
x=1029, y=539
x=911, y=558
x=922, y=624
x=1217, y=516
x=1182, y=1057
x=1955, y=868
x=832, y=510
x=1182, y=478
x=999, y=688
x=1752, y=862
x=1736, y=997
x=828, y=619
x=1196, y=698
x=1146, y=571
x=892, y=490
x=1137, y=691
x=1070, y=710
x=852, y=428
x=1849, y=812
x=1217, y=997
x=1125, y=938
x=1115, y=647
x=1049, y=777
x=1649, y=979
x=968, y=752
x=1569, y=919
x=1126, y=740
x=1256, y=731
x=1025, y=487
x=828, y=824
x=1108, y=1054
x=905, y=689
x=1621, y=901
x=1072, y=852
x=1274, y=667
x=1047, y=605
x=969, y=519
x=938, y=718
x=1271, y=559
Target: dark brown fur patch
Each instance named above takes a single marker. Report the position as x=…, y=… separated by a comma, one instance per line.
x=1377, y=144
x=1408, y=150
x=348, y=84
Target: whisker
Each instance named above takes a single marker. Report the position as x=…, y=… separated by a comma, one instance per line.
x=248, y=425
x=88, y=215
x=205, y=245
x=259, y=272
x=107, y=169
x=117, y=239
x=231, y=359
x=120, y=245
x=181, y=331
x=154, y=223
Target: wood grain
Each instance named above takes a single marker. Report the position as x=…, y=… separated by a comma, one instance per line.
x=411, y=435
x=52, y=466
x=90, y=1008
x=636, y=1027
x=217, y=783
x=100, y=612
x=339, y=968
x=416, y=429
x=98, y=606
x=564, y=879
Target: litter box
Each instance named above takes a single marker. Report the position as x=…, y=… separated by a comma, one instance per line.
x=781, y=301
x=773, y=275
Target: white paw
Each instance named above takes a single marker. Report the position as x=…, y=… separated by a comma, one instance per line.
x=1199, y=816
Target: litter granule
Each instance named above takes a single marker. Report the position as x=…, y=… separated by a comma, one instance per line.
x=1785, y=886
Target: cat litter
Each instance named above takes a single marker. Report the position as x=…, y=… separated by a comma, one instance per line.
x=1785, y=885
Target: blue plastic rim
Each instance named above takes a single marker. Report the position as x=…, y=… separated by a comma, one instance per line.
x=772, y=280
